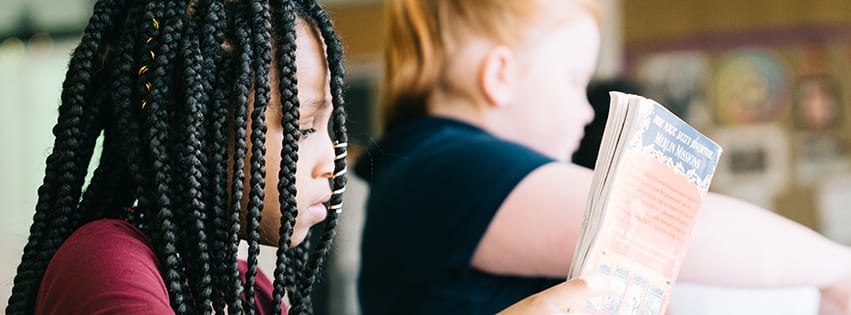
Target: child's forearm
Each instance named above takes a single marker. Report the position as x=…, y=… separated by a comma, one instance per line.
x=738, y=244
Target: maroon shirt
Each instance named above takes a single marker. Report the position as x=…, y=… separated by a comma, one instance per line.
x=108, y=267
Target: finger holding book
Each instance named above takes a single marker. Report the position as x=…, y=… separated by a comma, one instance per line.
x=564, y=298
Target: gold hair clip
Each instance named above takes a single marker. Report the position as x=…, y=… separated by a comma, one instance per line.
x=340, y=173
x=339, y=191
x=341, y=145
x=144, y=68
x=342, y=155
x=338, y=208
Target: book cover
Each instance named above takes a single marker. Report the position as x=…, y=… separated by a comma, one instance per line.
x=649, y=182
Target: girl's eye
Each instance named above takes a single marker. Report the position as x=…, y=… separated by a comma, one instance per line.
x=303, y=133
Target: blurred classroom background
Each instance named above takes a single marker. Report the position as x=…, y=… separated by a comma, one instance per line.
x=769, y=80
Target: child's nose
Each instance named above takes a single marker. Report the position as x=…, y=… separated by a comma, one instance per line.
x=325, y=166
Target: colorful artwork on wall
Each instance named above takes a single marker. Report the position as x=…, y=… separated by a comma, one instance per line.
x=750, y=86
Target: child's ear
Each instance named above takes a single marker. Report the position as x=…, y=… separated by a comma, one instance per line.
x=497, y=76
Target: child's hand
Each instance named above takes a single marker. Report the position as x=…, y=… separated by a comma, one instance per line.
x=836, y=299
x=565, y=298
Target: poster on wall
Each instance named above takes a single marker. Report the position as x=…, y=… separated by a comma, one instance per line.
x=678, y=80
x=817, y=103
x=750, y=87
x=755, y=163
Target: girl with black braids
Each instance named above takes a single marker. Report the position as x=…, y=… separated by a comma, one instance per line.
x=474, y=203
x=221, y=120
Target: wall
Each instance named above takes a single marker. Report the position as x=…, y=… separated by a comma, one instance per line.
x=699, y=55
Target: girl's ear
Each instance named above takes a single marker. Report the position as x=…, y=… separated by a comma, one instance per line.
x=497, y=76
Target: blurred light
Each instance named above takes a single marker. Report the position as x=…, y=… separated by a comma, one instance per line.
x=12, y=48
x=40, y=44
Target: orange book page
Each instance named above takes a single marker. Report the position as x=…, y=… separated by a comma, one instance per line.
x=650, y=216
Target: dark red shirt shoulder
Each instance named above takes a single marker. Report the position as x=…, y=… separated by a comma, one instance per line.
x=108, y=267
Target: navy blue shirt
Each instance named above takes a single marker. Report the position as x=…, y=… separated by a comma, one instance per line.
x=435, y=185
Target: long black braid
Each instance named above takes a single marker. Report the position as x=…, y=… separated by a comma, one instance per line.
x=65, y=163
x=167, y=83
x=334, y=54
x=216, y=74
x=158, y=124
x=259, y=23
x=194, y=162
x=241, y=88
x=289, y=152
x=112, y=184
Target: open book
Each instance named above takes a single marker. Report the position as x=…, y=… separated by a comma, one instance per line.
x=652, y=173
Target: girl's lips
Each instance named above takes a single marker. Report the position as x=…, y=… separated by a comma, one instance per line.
x=318, y=212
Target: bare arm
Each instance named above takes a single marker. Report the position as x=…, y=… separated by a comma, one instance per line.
x=734, y=243
x=535, y=230
x=754, y=247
